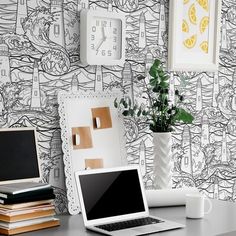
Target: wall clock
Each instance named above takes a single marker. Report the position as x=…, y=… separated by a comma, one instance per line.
x=102, y=37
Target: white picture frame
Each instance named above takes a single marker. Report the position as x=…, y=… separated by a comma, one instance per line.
x=201, y=51
x=108, y=144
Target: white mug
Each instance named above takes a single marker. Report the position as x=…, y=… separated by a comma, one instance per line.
x=195, y=205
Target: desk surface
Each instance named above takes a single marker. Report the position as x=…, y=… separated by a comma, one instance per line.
x=221, y=220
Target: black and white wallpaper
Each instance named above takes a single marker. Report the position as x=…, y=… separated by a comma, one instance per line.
x=39, y=56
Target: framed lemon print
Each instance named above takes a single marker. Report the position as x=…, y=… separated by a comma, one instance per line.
x=194, y=33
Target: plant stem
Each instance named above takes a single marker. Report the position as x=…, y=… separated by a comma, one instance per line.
x=151, y=103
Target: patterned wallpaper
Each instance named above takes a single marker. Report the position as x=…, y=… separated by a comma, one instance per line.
x=39, y=56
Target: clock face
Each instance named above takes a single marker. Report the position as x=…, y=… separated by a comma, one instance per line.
x=102, y=37
x=105, y=38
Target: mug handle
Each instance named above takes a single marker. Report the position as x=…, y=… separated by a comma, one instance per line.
x=210, y=205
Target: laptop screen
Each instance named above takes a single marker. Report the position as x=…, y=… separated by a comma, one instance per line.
x=111, y=194
x=18, y=158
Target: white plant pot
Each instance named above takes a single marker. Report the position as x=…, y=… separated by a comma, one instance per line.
x=162, y=160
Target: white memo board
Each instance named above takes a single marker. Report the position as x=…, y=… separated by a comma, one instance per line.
x=75, y=110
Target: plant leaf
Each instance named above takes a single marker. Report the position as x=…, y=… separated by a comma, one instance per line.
x=131, y=112
x=154, y=68
x=139, y=112
x=125, y=113
x=115, y=103
x=182, y=115
x=153, y=82
x=122, y=101
x=164, y=84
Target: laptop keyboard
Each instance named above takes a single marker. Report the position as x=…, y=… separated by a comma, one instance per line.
x=129, y=224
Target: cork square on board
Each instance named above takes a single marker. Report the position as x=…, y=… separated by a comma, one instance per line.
x=101, y=118
x=82, y=138
x=93, y=163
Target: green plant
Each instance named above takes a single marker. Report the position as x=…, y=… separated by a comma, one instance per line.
x=158, y=112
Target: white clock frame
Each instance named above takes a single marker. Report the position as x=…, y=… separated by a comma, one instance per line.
x=86, y=16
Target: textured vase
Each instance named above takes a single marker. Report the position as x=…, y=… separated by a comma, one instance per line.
x=162, y=160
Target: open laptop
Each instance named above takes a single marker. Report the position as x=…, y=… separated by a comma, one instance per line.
x=19, y=161
x=113, y=202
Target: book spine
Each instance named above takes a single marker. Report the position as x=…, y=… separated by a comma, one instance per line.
x=27, y=194
x=3, y=195
x=29, y=228
x=13, y=190
x=25, y=204
x=31, y=189
x=27, y=199
x=27, y=216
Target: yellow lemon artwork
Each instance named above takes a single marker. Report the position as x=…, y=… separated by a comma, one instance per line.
x=192, y=14
x=185, y=27
x=204, y=24
x=186, y=1
x=204, y=4
x=204, y=46
x=190, y=42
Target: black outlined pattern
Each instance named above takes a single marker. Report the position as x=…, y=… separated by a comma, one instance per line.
x=39, y=56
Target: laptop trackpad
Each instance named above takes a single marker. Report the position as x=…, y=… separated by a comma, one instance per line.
x=148, y=229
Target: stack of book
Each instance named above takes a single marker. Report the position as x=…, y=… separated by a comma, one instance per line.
x=26, y=207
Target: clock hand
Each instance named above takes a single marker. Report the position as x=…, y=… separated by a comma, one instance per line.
x=103, y=32
x=102, y=40
x=100, y=43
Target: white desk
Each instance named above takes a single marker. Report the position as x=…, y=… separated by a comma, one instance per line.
x=221, y=220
